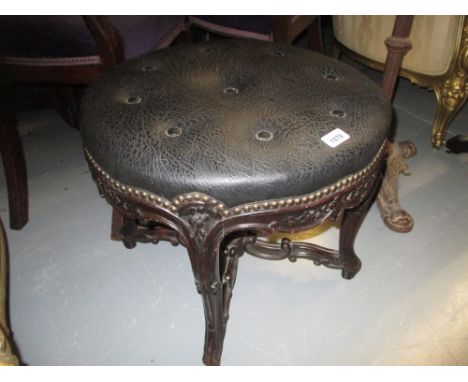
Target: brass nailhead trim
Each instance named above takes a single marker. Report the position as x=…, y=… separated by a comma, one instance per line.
x=179, y=200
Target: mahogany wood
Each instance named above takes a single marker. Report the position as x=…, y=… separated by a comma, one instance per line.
x=11, y=150
x=14, y=165
x=215, y=238
x=398, y=44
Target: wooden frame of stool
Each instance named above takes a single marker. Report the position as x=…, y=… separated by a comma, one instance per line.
x=216, y=235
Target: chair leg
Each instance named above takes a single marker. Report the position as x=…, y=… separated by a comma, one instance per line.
x=314, y=35
x=15, y=172
x=66, y=102
x=450, y=99
x=393, y=215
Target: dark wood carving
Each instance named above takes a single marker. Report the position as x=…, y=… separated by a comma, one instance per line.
x=215, y=235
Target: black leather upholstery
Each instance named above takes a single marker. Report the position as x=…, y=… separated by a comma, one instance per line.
x=246, y=120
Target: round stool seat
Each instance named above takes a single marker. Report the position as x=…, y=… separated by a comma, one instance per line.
x=241, y=121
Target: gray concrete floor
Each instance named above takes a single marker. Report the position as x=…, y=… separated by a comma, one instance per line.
x=79, y=299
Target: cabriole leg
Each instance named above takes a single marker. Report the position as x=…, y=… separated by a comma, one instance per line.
x=450, y=99
x=352, y=219
x=208, y=280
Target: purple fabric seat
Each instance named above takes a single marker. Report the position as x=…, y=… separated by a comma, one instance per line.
x=66, y=39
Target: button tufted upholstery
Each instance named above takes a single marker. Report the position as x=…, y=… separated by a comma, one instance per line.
x=241, y=121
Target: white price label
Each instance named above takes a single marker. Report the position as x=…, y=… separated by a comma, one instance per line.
x=335, y=138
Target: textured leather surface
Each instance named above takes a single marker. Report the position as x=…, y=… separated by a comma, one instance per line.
x=290, y=93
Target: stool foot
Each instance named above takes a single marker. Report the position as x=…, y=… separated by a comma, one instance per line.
x=211, y=361
x=351, y=270
x=214, y=328
x=215, y=279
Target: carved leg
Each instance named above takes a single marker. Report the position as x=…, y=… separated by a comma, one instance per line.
x=228, y=267
x=392, y=214
x=352, y=219
x=450, y=99
x=209, y=284
x=214, y=328
x=117, y=224
x=14, y=164
x=349, y=227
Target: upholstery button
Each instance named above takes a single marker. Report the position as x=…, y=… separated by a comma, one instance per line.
x=264, y=135
x=331, y=77
x=337, y=113
x=173, y=132
x=134, y=99
x=230, y=90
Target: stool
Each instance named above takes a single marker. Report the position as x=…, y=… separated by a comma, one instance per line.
x=213, y=146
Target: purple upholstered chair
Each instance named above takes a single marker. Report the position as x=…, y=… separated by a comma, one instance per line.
x=279, y=29
x=74, y=49
x=64, y=51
